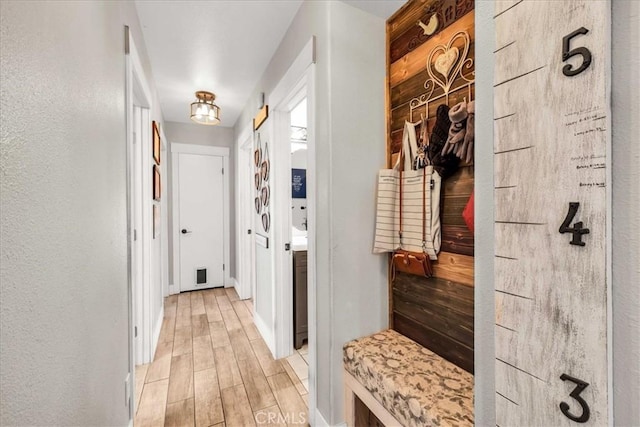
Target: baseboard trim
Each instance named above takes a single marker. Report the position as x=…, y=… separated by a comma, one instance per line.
x=267, y=334
x=231, y=282
x=156, y=331
x=173, y=289
x=321, y=422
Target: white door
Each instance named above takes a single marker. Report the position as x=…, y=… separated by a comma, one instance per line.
x=201, y=213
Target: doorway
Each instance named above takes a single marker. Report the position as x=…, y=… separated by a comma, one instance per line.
x=299, y=240
x=299, y=222
x=201, y=216
x=296, y=89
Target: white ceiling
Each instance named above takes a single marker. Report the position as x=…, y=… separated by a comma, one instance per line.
x=382, y=8
x=222, y=46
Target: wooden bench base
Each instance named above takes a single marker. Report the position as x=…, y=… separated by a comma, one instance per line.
x=353, y=388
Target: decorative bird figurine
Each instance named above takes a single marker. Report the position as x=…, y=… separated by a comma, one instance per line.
x=430, y=27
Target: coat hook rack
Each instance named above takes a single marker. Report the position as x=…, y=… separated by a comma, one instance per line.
x=446, y=66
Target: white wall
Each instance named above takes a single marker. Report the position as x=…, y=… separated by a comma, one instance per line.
x=484, y=310
x=63, y=302
x=216, y=136
x=351, y=298
x=626, y=211
x=359, y=290
x=626, y=205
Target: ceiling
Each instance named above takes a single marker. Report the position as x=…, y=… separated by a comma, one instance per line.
x=222, y=46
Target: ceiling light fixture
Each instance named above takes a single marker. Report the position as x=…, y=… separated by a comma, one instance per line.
x=204, y=111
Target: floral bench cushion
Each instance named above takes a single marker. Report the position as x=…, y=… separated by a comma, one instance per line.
x=418, y=387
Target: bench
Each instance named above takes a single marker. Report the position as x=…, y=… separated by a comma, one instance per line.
x=405, y=384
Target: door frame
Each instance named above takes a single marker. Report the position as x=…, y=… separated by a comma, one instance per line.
x=203, y=150
x=298, y=82
x=137, y=93
x=245, y=249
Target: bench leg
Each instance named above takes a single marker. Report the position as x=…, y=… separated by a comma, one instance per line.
x=349, y=406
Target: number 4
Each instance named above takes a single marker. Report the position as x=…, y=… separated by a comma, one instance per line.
x=577, y=231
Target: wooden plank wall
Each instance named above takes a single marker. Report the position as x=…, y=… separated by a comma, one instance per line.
x=436, y=312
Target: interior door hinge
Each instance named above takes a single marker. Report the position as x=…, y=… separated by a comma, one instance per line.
x=223, y=267
x=135, y=331
x=135, y=234
x=222, y=171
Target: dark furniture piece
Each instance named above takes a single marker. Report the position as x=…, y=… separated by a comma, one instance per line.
x=300, y=314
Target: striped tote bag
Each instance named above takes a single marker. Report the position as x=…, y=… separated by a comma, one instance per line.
x=387, y=234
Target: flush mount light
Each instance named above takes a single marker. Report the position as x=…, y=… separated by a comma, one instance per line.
x=204, y=111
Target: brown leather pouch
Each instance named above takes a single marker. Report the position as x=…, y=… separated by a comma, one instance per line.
x=412, y=263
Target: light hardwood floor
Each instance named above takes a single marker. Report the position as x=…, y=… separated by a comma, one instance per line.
x=212, y=368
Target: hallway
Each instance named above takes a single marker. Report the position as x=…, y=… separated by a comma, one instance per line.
x=212, y=368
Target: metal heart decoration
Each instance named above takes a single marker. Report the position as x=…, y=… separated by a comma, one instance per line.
x=445, y=62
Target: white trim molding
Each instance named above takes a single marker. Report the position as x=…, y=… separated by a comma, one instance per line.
x=321, y=422
x=264, y=331
x=232, y=283
x=156, y=330
x=203, y=150
x=245, y=244
x=207, y=150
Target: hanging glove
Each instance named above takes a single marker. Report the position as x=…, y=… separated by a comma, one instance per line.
x=445, y=165
x=467, y=153
x=439, y=133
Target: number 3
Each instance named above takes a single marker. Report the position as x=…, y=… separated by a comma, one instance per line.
x=567, y=53
x=564, y=406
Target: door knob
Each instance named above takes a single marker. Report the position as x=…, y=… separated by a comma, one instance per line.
x=184, y=231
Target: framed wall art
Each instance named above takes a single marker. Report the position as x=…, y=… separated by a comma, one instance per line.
x=156, y=142
x=156, y=183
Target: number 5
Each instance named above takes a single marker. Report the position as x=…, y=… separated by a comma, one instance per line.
x=567, y=53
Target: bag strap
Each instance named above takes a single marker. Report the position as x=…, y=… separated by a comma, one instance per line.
x=424, y=209
x=400, y=206
x=409, y=148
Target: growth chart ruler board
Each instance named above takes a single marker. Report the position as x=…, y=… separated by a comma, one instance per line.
x=552, y=212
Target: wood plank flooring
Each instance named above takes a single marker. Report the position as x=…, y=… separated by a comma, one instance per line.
x=213, y=369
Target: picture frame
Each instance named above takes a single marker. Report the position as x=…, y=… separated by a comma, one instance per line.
x=260, y=118
x=156, y=142
x=157, y=188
